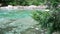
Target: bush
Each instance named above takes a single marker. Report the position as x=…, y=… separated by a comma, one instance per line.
x=49, y=20
x=22, y=2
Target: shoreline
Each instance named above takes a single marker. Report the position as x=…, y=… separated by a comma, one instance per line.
x=23, y=7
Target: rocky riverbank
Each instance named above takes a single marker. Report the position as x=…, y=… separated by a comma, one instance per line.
x=24, y=7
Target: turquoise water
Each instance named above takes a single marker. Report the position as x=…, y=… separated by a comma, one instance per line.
x=15, y=21
x=13, y=14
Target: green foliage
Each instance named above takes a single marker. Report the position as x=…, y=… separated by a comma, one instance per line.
x=53, y=3
x=44, y=18
x=22, y=2
x=48, y=20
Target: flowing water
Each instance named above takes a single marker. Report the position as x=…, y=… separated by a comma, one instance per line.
x=15, y=21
